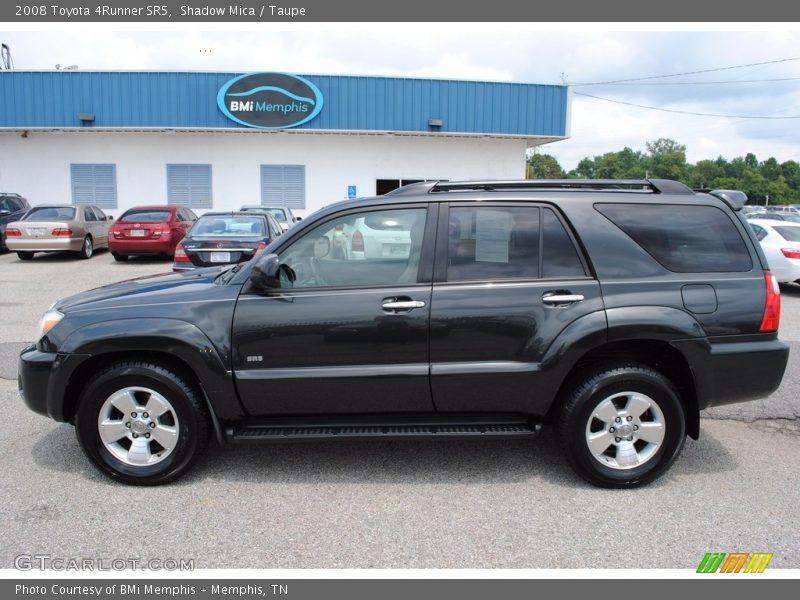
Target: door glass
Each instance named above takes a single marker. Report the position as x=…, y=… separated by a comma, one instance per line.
x=88, y=215
x=364, y=249
x=560, y=257
x=493, y=243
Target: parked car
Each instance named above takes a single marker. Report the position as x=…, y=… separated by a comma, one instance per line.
x=12, y=208
x=782, y=208
x=79, y=228
x=613, y=310
x=282, y=214
x=224, y=238
x=780, y=242
x=149, y=230
x=775, y=216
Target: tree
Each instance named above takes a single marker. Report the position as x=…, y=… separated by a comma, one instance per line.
x=544, y=166
x=667, y=159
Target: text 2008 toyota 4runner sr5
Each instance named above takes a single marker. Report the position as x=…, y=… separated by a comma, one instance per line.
x=615, y=310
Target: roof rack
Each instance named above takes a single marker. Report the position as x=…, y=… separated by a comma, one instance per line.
x=653, y=186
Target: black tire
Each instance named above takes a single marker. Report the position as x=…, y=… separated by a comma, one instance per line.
x=119, y=257
x=25, y=255
x=187, y=408
x=87, y=248
x=617, y=383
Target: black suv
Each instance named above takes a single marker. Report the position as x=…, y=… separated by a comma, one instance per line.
x=615, y=310
x=12, y=208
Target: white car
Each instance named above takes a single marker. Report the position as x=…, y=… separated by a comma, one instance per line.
x=780, y=241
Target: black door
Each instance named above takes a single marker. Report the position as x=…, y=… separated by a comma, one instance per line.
x=351, y=336
x=508, y=280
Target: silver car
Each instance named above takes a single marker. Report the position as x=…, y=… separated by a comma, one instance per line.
x=59, y=227
x=282, y=214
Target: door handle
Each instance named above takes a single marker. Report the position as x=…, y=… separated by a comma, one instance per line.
x=558, y=299
x=401, y=305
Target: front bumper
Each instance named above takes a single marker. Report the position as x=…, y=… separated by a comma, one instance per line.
x=35, y=370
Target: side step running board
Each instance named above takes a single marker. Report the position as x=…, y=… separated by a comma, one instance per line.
x=452, y=430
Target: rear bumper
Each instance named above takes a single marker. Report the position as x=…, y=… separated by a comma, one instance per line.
x=162, y=245
x=44, y=244
x=727, y=373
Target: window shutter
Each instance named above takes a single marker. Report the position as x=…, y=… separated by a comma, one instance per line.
x=94, y=184
x=283, y=185
x=189, y=185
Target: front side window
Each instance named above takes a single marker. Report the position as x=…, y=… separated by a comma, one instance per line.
x=366, y=249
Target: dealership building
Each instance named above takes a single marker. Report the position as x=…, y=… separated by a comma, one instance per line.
x=211, y=140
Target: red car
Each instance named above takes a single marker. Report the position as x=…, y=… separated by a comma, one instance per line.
x=149, y=230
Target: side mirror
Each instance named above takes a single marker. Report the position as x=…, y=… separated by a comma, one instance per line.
x=110, y=218
x=298, y=218
x=269, y=273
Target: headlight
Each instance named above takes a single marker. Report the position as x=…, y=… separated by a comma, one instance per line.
x=50, y=319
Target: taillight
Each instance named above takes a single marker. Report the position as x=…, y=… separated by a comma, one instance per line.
x=62, y=232
x=13, y=233
x=772, y=305
x=790, y=252
x=261, y=246
x=357, y=243
x=180, y=254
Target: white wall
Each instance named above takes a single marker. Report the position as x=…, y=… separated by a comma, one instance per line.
x=38, y=166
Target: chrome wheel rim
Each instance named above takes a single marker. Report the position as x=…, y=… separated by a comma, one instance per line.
x=138, y=426
x=87, y=246
x=625, y=430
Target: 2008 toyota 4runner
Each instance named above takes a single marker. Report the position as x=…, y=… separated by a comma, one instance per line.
x=615, y=310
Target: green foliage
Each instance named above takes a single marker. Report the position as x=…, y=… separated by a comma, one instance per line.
x=666, y=159
x=544, y=166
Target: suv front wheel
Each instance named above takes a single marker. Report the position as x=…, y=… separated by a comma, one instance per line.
x=621, y=425
x=141, y=423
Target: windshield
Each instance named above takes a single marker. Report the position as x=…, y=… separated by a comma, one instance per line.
x=228, y=226
x=50, y=213
x=145, y=216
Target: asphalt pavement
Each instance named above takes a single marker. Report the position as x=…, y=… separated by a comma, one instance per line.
x=390, y=504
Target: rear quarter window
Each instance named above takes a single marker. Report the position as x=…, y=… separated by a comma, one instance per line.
x=683, y=238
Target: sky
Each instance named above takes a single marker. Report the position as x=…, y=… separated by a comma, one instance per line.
x=528, y=53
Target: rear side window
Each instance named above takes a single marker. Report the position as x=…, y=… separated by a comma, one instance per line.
x=683, y=238
x=790, y=234
x=500, y=242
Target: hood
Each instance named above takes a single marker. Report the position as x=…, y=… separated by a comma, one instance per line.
x=142, y=290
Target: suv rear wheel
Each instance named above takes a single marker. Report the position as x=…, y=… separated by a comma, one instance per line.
x=141, y=423
x=621, y=425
